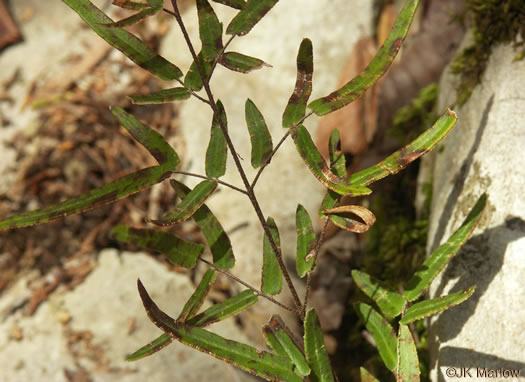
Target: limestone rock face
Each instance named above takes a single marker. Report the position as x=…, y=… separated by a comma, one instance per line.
x=333, y=26
x=484, y=153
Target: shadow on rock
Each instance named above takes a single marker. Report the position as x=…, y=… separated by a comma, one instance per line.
x=461, y=177
x=477, y=263
x=451, y=356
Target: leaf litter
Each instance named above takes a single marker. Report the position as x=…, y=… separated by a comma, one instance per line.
x=76, y=146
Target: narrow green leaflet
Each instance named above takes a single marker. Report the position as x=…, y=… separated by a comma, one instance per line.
x=273, y=342
x=228, y=308
x=337, y=158
x=261, y=363
x=237, y=4
x=150, y=139
x=133, y=19
x=382, y=332
x=331, y=198
x=315, y=349
x=402, y=158
x=420, y=281
x=375, y=69
x=154, y=346
x=196, y=300
x=304, y=259
x=178, y=251
x=253, y=11
x=215, y=313
x=407, y=369
x=390, y=302
x=211, y=228
x=124, y=41
x=161, y=96
x=338, y=167
x=366, y=376
x=187, y=207
x=272, y=276
x=333, y=144
x=296, y=107
x=260, y=137
x=188, y=311
x=118, y=189
x=210, y=31
x=193, y=78
x=131, y=5
x=241, y=63
x=217, y=151
x=430, y=307
x=343, y=217
x=287, y=343
x=315, y=162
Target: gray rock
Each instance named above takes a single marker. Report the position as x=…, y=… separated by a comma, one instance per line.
x=87, y=330
x=484, y=153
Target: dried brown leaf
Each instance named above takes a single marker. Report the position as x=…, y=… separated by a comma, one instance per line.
x=9, y=32
x=386, y=21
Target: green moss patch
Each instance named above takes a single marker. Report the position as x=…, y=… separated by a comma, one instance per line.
x=493, y=22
